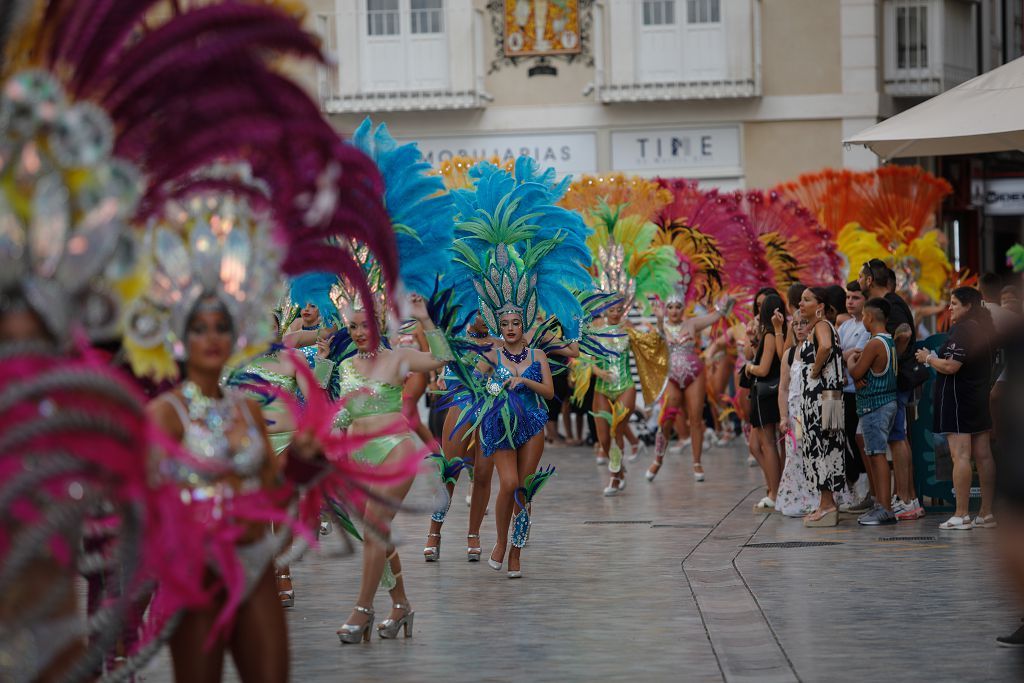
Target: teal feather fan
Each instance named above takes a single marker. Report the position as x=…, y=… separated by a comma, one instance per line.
x=421, y=209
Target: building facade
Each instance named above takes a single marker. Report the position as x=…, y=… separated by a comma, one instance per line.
x=734, y=93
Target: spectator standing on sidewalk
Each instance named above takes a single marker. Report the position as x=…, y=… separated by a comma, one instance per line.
x=963, y=369
x=876, y=281
x=852, y=337
x=874, y=371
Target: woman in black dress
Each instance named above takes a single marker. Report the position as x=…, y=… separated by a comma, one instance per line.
x=821, y=406
x=765, y=369
x=963, y=380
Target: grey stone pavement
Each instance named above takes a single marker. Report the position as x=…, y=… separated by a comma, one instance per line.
x=660, y=584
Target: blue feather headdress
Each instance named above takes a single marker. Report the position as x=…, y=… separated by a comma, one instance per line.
x=420, y=207
x=516, y=251
x=315, y=288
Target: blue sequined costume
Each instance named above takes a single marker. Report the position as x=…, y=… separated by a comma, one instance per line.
x=527, y=411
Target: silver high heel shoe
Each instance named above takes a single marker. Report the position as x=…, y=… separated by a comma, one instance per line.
x=432, y=553
x=473, y=554
x=494, y=564
x=353, y=633
x=389, y=628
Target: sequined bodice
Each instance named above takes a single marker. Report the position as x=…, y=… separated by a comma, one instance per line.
x=678, y=335
x=532, y=372
x=367, y=396
x=284, y=382
x=617, y=365
x=206, y=437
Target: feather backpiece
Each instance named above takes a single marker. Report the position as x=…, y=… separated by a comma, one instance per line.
x=716, y=243
x=797, y=247
x=515, y=248
x=420, y=208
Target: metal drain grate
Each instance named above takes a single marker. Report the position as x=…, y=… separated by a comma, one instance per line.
x=907, y=538
x=618, y=521
x=792, y=544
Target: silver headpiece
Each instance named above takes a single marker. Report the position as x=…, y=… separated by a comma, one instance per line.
x=208, y=247
x=65, y=206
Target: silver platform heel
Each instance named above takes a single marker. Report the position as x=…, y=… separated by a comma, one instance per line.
x=473, y=554
x=389, y=628
x=353, y=633
x=432, y=553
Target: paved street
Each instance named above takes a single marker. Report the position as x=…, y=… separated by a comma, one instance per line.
x=662, y=584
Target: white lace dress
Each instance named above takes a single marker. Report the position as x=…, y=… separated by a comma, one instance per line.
x=796, y=495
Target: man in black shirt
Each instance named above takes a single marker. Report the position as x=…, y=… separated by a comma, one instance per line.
x=878, y=280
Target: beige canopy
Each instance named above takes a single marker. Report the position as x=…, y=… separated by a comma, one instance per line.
x=985, y=114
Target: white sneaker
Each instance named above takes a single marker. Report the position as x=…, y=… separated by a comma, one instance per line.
x=601, y=460
x=766, y=504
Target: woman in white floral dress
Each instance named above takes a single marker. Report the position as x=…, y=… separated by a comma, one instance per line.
x=797, y=497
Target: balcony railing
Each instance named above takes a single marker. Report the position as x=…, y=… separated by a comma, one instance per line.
x=345, y=88
x=643, y=62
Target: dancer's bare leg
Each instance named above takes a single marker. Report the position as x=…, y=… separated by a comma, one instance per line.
x=374, y=550
x=453, y=446
x=483, y=473
x=528, y=457
x=259, y=641
x=694, y=396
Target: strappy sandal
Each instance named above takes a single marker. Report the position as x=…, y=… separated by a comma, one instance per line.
x=822, y=518
x=473, y=554
x=389, y=628
x=432, y=553
x=287, y=597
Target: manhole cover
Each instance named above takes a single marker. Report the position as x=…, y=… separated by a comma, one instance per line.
x=618, y=521
x=907, y=538
x=792, y=544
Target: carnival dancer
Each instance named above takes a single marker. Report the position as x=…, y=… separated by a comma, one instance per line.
x=421, y=213
x=315, y=313
x=630, y=264
x=521, y=254
x=460, y=449
x=372, y=382
x=108, y=71
x=686, y=377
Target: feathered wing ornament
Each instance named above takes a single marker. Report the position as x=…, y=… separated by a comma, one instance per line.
x=74, y=468
x=628, y=259
x=420, y=208
x=830, y=195
x=515, y=251
x=797, y=248
x=170, y=83
x=1015, y=258
x=456, y=173
x=65, y=205
x=633, y=195
x=717, y=247
x=895, y=218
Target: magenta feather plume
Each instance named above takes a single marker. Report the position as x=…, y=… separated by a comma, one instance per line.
x=799, y=248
